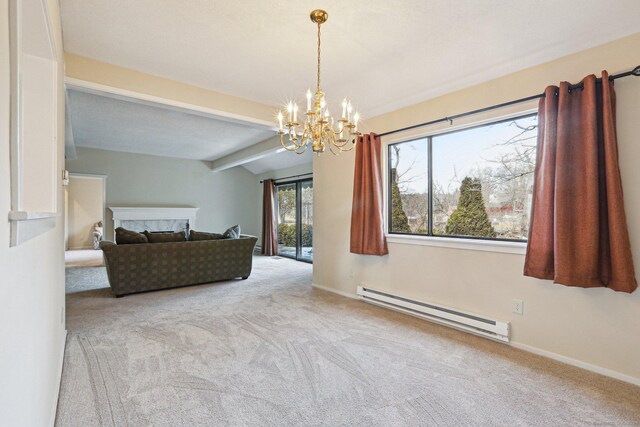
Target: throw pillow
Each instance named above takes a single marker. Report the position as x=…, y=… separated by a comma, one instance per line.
x=232, y=232
x=129, y=237
x=178, y=236
x=201, y=235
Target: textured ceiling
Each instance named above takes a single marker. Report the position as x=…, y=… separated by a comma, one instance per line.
x=383, y=54
x=129, y=126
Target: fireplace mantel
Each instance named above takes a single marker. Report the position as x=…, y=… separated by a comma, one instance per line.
x=130, y=216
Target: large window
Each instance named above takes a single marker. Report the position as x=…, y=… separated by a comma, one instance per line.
x=472, y=183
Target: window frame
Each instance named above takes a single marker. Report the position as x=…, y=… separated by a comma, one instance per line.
x=516, y=246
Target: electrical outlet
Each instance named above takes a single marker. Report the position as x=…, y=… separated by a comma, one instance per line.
x=518, y=306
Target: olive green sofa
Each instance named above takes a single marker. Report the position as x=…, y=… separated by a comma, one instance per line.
x=145, y=267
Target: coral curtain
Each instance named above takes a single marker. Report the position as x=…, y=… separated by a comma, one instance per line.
x=269, y=239
x=578, y=235
x=367, y=229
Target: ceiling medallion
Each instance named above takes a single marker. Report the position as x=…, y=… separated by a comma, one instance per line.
x=319, y=128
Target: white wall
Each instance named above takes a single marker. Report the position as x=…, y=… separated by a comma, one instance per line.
x=85, y=207
x=598, y=327
x=31, y=280
x=225, y=198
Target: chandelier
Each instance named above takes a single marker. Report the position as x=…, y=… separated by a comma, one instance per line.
x=319, y=128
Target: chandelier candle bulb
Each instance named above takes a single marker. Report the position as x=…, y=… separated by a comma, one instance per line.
x=280, y=120
x=295, y=113
x=308, y=100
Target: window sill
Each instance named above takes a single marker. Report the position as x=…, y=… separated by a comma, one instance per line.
x=519, y=248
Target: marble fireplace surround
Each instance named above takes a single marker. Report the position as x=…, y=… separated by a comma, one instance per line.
x=154, y=219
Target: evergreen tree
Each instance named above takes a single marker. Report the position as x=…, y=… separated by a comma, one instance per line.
x=399, y=220
x=470, y=217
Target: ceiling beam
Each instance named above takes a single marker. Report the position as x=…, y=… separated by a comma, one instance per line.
x=94, y=76
x=257, y=151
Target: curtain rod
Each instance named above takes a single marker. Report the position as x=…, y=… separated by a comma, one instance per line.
x=289, y=177
x=634, y=72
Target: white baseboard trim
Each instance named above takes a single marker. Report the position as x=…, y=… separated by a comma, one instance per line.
x=335, y=291
x=535, y=350
x=59, y=380
x=578, y=363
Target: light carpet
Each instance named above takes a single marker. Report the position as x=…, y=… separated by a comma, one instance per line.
x=83, y=258
x=271, y=350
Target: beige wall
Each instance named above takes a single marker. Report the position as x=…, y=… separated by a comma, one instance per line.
x=31, y=279
x=85, y=207
x=224, y=198
x=597, y=327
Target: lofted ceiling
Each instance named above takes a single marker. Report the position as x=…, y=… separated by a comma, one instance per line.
x=122, y=124
x=382, y=54
x=280, y=160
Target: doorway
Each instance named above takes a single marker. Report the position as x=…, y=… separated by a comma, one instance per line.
x=85, y=209
x=294, y=225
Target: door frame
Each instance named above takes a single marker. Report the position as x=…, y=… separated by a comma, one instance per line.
x=298, y=184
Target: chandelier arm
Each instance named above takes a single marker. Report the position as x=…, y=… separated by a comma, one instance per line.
x=304, y=139
x=350, y=139
x=340, y=145
x=292, y=147
x=289, y=148
x=342, y=150
x=329, y=136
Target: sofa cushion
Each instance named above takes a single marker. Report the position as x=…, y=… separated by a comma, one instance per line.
x=201, y=235
x=232, y=232
x=178, y=236
x=129, y=237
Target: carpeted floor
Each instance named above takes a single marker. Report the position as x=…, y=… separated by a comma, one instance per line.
x=83, y=258
x=273, y=351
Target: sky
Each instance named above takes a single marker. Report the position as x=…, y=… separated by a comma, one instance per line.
x=458, y=153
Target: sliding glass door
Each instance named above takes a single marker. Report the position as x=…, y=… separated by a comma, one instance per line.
x=287, y=219
x=294, y=202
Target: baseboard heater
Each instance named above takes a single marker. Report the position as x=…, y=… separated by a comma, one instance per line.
x=437, y=313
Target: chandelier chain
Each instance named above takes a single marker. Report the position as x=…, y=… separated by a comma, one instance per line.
x=318, y=57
